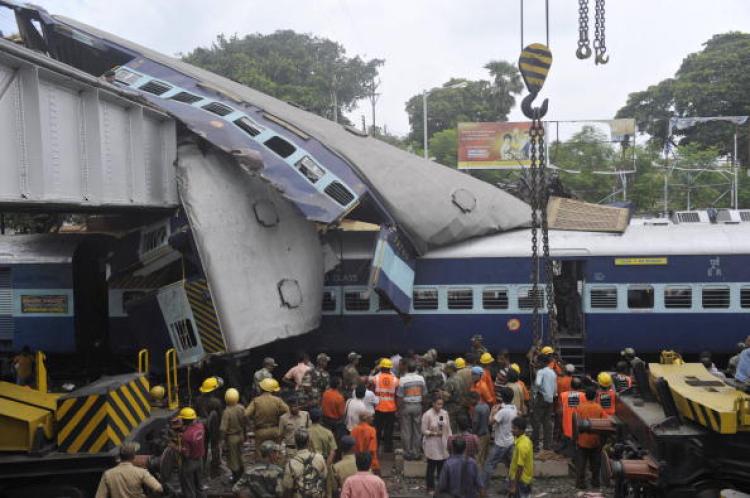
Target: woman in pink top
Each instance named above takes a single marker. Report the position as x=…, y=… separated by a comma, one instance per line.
x=436, y=429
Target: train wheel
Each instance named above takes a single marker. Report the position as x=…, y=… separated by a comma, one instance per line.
x=47, y=492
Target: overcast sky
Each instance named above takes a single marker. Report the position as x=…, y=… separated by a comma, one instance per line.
x=424, y=43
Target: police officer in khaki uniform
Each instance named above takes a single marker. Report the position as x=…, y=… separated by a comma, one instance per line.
x=351, y=374
x=265, y=412
x=265, y=477
x=264, y=373
x=233, y=431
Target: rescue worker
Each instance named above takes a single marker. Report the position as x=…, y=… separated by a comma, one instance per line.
x=555, y=365
x=333, y=406
x=519, y=395
x=269, y=364
x=569, y=402
x=410, y=395
x=454, y=391
x=463, y=370
x=291, y=422
x=346, y=466
x=23, y=367
x=480, y=387
x=233, y=431
x=477, y=346
x=192, y=450
x=734, y=360
x=263, y=478
x=126, y=480
x=209, y=409
x=265, y=411
x=589, y=444
x=319, y=376
x=432, y=374
x=385, y=412
x=306, y=472
x=621, y=379
x=350, y=373
x=294, y=376
x=486, y=361
x=366, y=438
x=522, y=385
x=563, y=385
x=545, y=389
x=323, y=442
x=606, y=396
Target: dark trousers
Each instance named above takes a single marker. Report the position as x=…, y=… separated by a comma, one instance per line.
x=433, y=472
x=592, y=457
x=541, y=421
x=191, y=478
x=384, y=427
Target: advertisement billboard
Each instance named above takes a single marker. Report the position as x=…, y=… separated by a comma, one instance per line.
x=493, y=145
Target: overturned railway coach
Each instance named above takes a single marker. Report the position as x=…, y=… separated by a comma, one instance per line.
x=658, y=285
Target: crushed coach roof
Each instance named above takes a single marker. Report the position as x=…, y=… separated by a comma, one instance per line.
x=433, y=204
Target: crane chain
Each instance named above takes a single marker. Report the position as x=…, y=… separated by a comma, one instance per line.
x=533, y=170
x=548, y=263
x=584, y=45
x=600, y=43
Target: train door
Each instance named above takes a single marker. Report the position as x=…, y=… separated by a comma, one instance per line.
x=181, y=323
x=569, y=281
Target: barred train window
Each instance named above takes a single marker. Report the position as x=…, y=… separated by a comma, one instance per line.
x=460, y=299
x=495, y=299
x=356, y=301
x=640, y=297
x=745, y=297
x=715, y=297
x=678, y=297
x=603, y=298
x=329, y=300
x=425, y=299
x=526, y=298
x=185, y=334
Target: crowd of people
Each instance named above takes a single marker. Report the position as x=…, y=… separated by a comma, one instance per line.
x=319, y=435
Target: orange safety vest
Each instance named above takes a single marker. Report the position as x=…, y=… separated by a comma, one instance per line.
x=385, y=390
x=607, y=400
x=570, y=401
x=490, y=383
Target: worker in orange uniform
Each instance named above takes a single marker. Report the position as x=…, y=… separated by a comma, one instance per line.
x=569, y=402
x=333, y=406
x=480, y=387
x=521, y=383
x=563, y=385
x=606, y=397
x=486, y=360
x=589, y=444
x=366, y=439
x=385, y=411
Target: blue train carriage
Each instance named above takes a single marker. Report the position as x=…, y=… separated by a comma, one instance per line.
x=659, y=285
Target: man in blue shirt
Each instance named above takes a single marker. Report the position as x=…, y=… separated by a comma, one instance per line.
x=460, y=474
x=545, y=390
x=743, y=366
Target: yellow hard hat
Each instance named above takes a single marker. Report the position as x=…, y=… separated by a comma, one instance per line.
x=270, y=385
x=209, y=385
x=232, y=396
x=547, y=350
x=485, y=359
x=187, y=413
x=386, y=363
x=157, y=393
x=460, y=362
x=604, y=379
x=515, y=367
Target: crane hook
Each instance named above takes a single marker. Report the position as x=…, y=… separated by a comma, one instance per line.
x=600, y=58
x=534, y=64
x=583, y=52
x=534, y=112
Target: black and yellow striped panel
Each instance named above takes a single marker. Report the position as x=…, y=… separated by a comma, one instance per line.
x=534, y=65
x=98, y=417
x=204, y=313
x=705, y=416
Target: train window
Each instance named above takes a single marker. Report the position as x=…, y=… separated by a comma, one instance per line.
x=329, y=300
x=425, y=299
x=640, y=297
x=526, y=298
x=603, y=297
x=460, y=299
x=745, y=297
x=678, y=297
x=715, y=297
x=384, y=304
x=357, y=301
x=185, y=334
x=495, y=299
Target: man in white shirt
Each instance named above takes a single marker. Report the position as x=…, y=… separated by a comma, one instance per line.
x=545, y=389
x=502, y=448
x=355, y=406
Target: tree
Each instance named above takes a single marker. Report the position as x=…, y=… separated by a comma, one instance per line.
x=311, y=72
x=712, y=82
x=464, y=100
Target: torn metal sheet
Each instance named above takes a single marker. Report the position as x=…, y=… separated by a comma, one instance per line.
x=431, y=204
x=392, y=273
x=266, y=279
